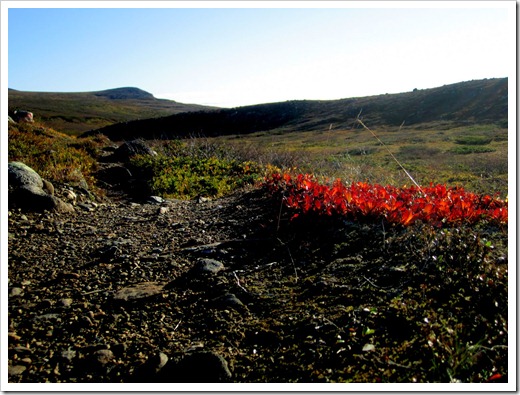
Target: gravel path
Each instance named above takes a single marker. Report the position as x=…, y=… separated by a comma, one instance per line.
x=94, y=295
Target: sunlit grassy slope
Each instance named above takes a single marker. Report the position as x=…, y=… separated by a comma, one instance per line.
x=471, y=156
x=75, y=113
x=465, y=103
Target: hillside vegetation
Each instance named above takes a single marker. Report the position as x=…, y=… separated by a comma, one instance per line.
x=75, y=113
x=472, y=102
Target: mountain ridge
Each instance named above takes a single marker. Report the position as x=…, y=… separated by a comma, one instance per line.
x=125, y=93
x=464, y=102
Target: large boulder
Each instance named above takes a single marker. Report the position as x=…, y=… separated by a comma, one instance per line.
x=132, y=148
x=22, y=116
x=20, y=174
x=29, y=192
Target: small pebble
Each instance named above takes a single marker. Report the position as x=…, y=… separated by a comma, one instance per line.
x=66, y=302
x=104, y=356
x=68, y=355
x=16, y=370
x=15, y=291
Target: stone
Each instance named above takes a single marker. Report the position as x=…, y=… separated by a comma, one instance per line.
x=68, y=355
x=70, y=196
x=66, y=302
x=132, y=148
x=103, y=356
x=30, y=197
x=60, y=206
x=26, y=191
x=16, y=370
x=147, y=372
x=230, y=301
x=20, y=174
x=155, y=200
x=208, y=266
x=15, y=291
x=13, y=337
x=23, y=116
x=48, y=187
x=139, y=291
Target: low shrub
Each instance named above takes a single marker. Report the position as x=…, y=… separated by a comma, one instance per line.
x=57, y=157
x=183, y=171
x=471, y=149
x=473, y=140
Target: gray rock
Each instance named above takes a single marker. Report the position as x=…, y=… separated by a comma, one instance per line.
x=26, y=191
x=20, y=174
x=230, y=301
x=48, y=187
x=16, y=370
x=70, y=196
x=32, y=198
x=60, y=206
x=104, y=356
x=15, y=291
x=68, y=355
x=132, y=148
x=208, y=266
x=155, y=200
x=23, y=116
x=66, y=302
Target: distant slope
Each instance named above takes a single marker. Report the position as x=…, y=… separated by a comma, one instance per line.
x=76, y=113
x=481, y=101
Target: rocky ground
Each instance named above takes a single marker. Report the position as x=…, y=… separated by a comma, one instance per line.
x=227, y=290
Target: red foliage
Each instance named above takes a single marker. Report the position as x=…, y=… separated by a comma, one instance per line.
x=437, y=204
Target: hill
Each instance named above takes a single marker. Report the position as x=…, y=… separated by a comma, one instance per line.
x=480, y=101
x=77, y=112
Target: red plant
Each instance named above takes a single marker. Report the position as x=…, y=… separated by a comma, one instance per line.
x=437, y=203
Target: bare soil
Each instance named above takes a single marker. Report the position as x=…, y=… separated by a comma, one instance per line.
x=127, y=291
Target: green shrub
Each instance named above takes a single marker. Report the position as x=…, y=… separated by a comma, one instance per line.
x=473, y=140
x=471, y=149
x=57, y=157
x=183, y=171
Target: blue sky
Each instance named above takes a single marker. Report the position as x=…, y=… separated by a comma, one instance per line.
x=239, y=56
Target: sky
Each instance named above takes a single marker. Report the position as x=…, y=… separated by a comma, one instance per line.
x=238, y=56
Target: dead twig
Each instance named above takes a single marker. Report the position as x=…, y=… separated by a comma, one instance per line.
x=238, y=282
x=375, y=285
x=176, y=326
x=290, y=257
x=96, y=291
x=390, y=152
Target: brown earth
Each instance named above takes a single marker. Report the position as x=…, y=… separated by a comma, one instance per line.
x=230, y=290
